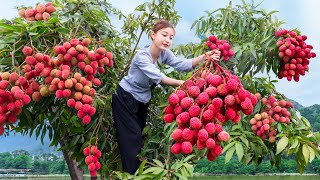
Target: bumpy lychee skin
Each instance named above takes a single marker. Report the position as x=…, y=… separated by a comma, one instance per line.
x=181, y=94
x=246, y=104
x=177, y=110
x=194, y=110
x=194, y=91
x=223, y=136
x=186, y=147
x=214, y=80
x=173, y=99
x=169, y=109
x=183, y=118
x=200, y=145
x=207, y=115
x=232, y=85
x=210, y=156
x=217, y=103
x=217, y=150
x=230, y=113
x=176, y=134
x=203, y=98
x=210, y=128
x=229, y=100
x=187, y=134
x=203, y=135
x=195, y=123
x=211, y=91
x=27, y=51
x=222, y=90
x=210, y=143
x=186, y=102
x=218, y=128
x=168, y=118
x=176, y=148
x=200, y=83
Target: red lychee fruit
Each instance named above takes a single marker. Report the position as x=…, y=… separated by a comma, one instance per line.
x=186, y=102
x=210, y=128
x=229, y=100
x=207, y=115
x=223, y=136
x=203, y=135
x=195, y=123
x=210, y=143
x=217, y=150
x=176, y=148
x=203, y=98
x=186, y=147
x=176, y=134
x=211, y=91
x=194, y=110
x=168, y=118
x=194, y=91
x=27, y=51
x=173, y=99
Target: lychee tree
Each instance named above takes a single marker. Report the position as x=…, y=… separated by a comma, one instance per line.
x=82, y=141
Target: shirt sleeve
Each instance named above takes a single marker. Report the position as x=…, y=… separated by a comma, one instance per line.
x=179, y=63
x=143, y=62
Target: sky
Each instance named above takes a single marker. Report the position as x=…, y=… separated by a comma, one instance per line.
x=296, y=13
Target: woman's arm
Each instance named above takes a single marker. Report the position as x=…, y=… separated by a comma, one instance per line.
x=215, y=55
x=171, y=82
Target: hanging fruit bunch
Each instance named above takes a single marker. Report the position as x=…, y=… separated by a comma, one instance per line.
x=294, y=53
x=264, y=124
x=202, y=105
x=39, y=13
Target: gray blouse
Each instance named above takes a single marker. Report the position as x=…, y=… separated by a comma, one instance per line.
x=143, y=72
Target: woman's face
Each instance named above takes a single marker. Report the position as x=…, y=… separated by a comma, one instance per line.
x=163, y=38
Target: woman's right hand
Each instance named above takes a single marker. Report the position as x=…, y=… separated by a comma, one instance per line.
x=216, y=55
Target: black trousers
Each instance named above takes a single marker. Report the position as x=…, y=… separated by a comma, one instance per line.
x=129, y=119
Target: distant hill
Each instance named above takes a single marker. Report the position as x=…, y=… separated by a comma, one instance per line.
x=296, y=104
x=16, y=141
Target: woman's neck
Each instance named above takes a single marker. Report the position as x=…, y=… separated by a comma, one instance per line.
x=155, y=52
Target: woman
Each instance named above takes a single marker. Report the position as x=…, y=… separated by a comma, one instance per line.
x=130, y=103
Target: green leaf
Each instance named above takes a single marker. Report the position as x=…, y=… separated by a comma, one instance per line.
x=283, y=142
x=228, y=147
x=159, y=163
x=229, y=154
x=188, y=158
x=312, y=154
x=239, y=150
x=306, y=153
x=180, y=176
x=244, y=140
x=152, y=169
x=142, y=166
x=253, y=50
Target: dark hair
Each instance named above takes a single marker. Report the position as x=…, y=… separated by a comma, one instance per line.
x=161, y=24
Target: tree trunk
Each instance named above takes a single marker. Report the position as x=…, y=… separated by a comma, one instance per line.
x=76, y=173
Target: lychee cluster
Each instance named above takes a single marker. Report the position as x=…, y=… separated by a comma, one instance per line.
x=294, y=54
x=41, y=12
x=202, y=105
x=69, y=75
x=223, y=46
x=274, y=112
x=92, y=154
x=13, y=97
